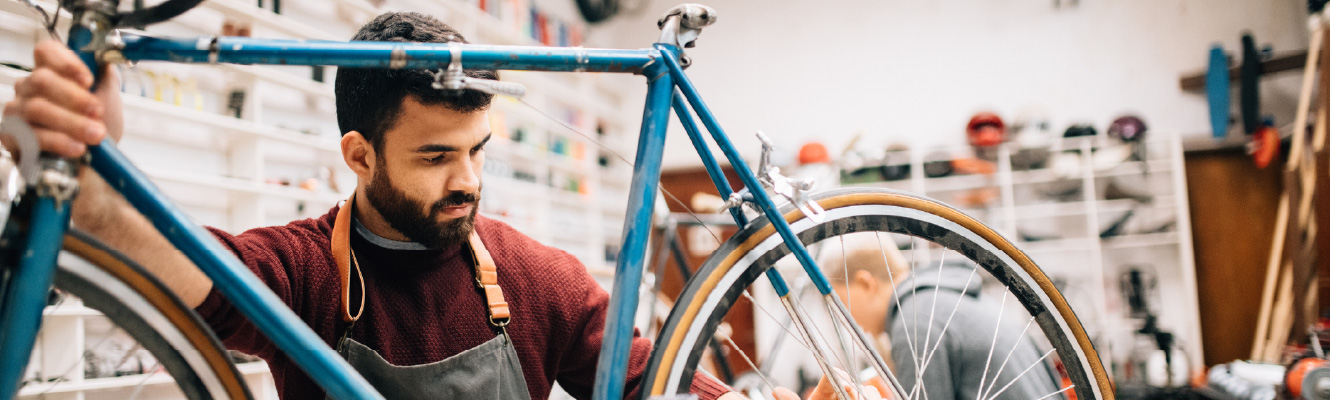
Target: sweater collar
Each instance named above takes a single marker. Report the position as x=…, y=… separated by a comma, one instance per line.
x=384, y=242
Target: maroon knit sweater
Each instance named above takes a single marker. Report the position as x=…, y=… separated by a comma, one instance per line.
x=422, y=306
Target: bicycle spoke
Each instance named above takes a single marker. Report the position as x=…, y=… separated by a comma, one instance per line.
x=736, y=348
x=929, y=357
x=800, y=318
x=984, y=378
x=1014, y=346
x=908, y=340
x=139, y=388
x=850, y=357
x=928, y=334
x=1018, y=376
x=851, y=362
x=1064, y=390
x=773, y=318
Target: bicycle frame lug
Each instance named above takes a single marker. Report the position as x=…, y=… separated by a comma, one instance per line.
x=58, y=180
x=112, y=52
x=95, y=15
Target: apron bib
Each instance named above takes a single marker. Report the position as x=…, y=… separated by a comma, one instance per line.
x=489, y=371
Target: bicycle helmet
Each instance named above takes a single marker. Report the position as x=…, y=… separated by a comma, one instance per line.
x=1080, y=130
x=985, y=129
x=1128, y=128
x=813, y=153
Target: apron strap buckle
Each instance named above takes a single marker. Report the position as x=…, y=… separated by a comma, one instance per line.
x=487, y=279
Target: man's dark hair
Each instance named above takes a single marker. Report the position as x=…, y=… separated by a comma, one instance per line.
x=369, y=100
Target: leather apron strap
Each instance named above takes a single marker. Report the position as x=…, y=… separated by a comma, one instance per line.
x=487, y=274
x=345, y=258
x=491, y=370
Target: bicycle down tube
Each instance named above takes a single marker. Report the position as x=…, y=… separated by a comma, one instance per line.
x=278, y=322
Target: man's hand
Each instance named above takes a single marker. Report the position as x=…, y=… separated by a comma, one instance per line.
x=824, y=391
x=67, y=118
x=56, y=102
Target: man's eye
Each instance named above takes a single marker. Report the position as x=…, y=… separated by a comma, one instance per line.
x=435, y=160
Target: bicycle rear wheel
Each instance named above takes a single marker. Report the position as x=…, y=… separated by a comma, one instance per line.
x=729, y=272
x=152, y=318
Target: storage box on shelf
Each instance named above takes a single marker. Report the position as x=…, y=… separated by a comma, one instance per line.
x=1084, y=224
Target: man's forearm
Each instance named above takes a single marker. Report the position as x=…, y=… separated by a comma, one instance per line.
x=104, y=214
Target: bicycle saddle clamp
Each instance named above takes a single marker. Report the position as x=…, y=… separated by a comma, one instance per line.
x=682, y=24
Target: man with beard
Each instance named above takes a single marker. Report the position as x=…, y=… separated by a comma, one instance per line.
x=389, y=277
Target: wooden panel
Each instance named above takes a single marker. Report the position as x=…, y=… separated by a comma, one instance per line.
x=1233, y=206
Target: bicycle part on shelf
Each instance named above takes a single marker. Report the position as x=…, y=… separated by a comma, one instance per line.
x=1127, y=128
x=813, y=153
x=1217, y=92
x=985, y=129
x=1264, y=146
x=1249, y=88
x=938, y=166
x=793, y=190
x=1079, y=130
x=1308, y=379
x=754, y=250
x=594, y=11
x=453, y=79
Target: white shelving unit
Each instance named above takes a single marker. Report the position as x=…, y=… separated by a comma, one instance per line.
x=239, y=172
x=1063, y=235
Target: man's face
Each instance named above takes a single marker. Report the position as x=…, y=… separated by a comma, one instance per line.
x=426, y=179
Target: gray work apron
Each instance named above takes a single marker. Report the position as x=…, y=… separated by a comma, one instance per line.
x=488, y=371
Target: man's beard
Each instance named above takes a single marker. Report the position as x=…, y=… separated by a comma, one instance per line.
x=404, y=213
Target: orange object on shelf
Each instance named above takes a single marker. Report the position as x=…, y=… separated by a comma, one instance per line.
x=813, y=153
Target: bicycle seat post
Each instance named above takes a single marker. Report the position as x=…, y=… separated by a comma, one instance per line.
x=682, y=24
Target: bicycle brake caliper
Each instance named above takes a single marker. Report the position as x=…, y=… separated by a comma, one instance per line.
x=794, y=190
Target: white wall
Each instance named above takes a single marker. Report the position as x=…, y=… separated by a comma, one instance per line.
x=914, y=71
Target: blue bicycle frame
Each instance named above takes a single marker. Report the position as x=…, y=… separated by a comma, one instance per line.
x=25, y=289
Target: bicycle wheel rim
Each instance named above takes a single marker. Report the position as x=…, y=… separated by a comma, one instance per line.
x=154, y=317
x=719, y=283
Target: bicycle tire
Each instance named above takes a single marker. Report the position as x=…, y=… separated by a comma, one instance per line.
x=718, y=284
x=152, y=315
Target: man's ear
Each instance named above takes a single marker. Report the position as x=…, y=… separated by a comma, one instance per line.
x=865, y=280
x=358, y=154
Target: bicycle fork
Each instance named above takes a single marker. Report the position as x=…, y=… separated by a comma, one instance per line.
x=27, y=284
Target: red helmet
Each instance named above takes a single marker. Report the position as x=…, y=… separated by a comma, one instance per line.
x=986, y=129
x=813, y=153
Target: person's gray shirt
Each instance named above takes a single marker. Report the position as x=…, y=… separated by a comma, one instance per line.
x=957, y=367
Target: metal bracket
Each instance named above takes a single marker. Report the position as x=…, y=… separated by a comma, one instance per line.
x=454, y=80
x=794, y=190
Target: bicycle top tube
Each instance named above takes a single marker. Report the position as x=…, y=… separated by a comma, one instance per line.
x=240, y=50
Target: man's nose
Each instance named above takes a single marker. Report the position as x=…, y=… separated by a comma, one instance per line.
x=466, y=179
